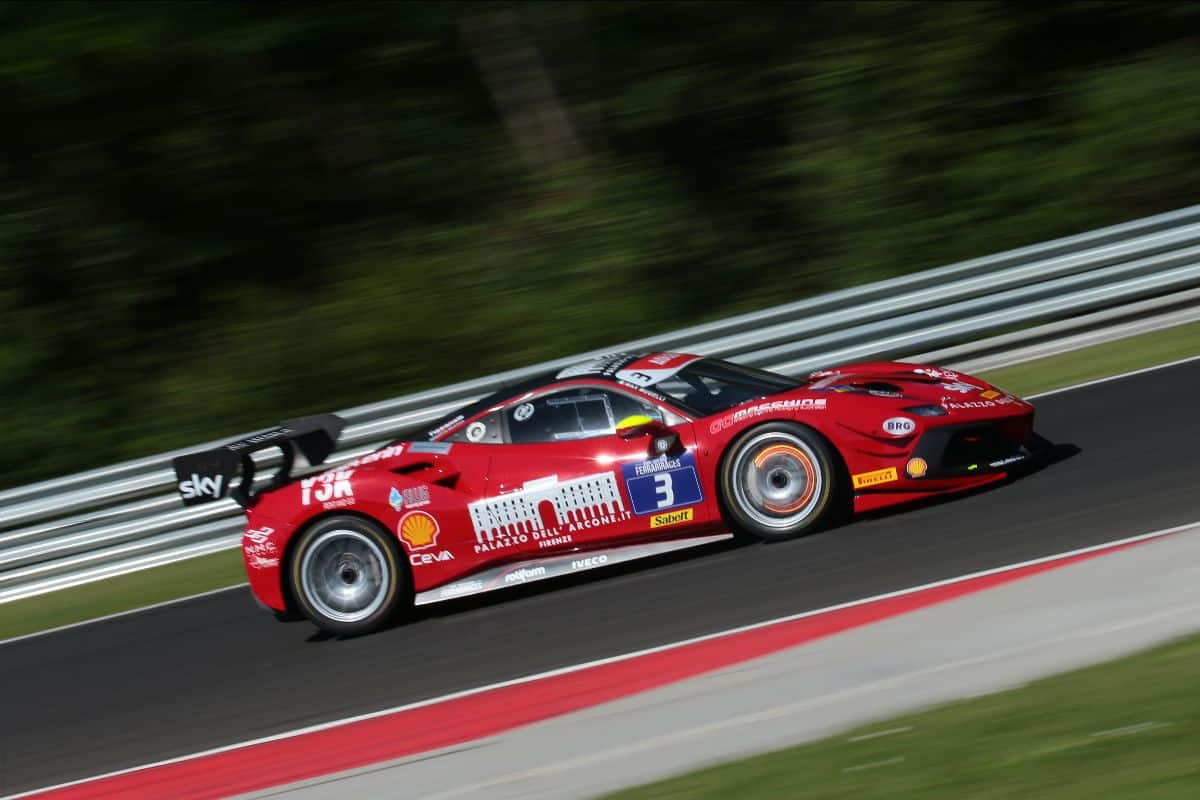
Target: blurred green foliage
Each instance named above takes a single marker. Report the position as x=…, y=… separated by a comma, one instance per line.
x=216, y=215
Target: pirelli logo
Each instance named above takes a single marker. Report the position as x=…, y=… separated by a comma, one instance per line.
x=671, y=518
x=864, y=479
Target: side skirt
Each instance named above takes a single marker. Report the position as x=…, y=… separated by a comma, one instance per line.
x=540, y=569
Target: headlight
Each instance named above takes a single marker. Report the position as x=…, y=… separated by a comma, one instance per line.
x=926, y=411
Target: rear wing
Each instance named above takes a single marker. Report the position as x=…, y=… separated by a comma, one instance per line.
x=206, y=476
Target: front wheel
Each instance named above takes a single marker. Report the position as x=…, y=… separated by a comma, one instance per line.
x=778, y=481
x=346, y=575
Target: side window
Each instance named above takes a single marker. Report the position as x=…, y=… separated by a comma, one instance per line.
x=485, y=430
x=625, y=406
x=572, y=414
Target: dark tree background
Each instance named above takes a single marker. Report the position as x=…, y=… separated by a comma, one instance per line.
x=217, y=215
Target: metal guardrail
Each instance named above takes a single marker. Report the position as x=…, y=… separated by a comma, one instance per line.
x=125, y=517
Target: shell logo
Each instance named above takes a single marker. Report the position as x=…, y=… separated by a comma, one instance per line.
x=419, y=530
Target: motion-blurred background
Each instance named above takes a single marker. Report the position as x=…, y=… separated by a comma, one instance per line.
x=217, y=215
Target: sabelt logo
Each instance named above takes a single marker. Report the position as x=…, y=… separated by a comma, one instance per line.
x=419, y=530
x=865, y=479
x=672, y=518
x=199, y=486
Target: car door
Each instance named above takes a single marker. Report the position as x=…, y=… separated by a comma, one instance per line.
x=566, y=479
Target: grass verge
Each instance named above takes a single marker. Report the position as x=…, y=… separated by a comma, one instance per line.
x=1125, y=729
x=1098, y=361
x=122, y=593
x=223, y=569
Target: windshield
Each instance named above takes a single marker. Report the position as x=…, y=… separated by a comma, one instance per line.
x=707, y=386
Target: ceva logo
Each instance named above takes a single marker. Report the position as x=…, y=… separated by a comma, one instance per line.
x=201, y=487
x=419, y=559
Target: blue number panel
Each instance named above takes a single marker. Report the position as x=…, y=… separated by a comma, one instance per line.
x=662, y=483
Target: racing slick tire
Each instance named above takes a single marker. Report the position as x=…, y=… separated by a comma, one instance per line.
x=779, y=481
x=347, y=575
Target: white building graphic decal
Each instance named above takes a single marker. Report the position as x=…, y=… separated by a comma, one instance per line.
x=579, y=501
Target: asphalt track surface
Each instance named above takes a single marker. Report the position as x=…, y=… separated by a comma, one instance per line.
x=999, y=635
x=213, y=671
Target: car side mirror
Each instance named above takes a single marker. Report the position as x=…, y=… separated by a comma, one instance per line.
x=664, y=440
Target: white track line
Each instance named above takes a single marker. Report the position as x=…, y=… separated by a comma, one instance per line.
x=1118, y=376
x=877, y=734
x=117, y=614
x=887, y=762
x=1131, y=729
x=1191, y=526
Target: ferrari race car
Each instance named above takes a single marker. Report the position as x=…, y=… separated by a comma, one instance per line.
x=620, y=457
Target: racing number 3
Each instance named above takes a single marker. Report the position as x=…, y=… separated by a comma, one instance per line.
x=659, y=484
x=663, y=488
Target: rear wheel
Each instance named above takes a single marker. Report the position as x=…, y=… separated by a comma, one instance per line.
x=346, y=575
x=779, y=481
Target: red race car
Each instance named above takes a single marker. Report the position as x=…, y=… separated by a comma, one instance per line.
x=616, y=458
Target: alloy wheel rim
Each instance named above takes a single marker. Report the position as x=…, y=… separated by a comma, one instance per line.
x=344, y=576
x=776, y=480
